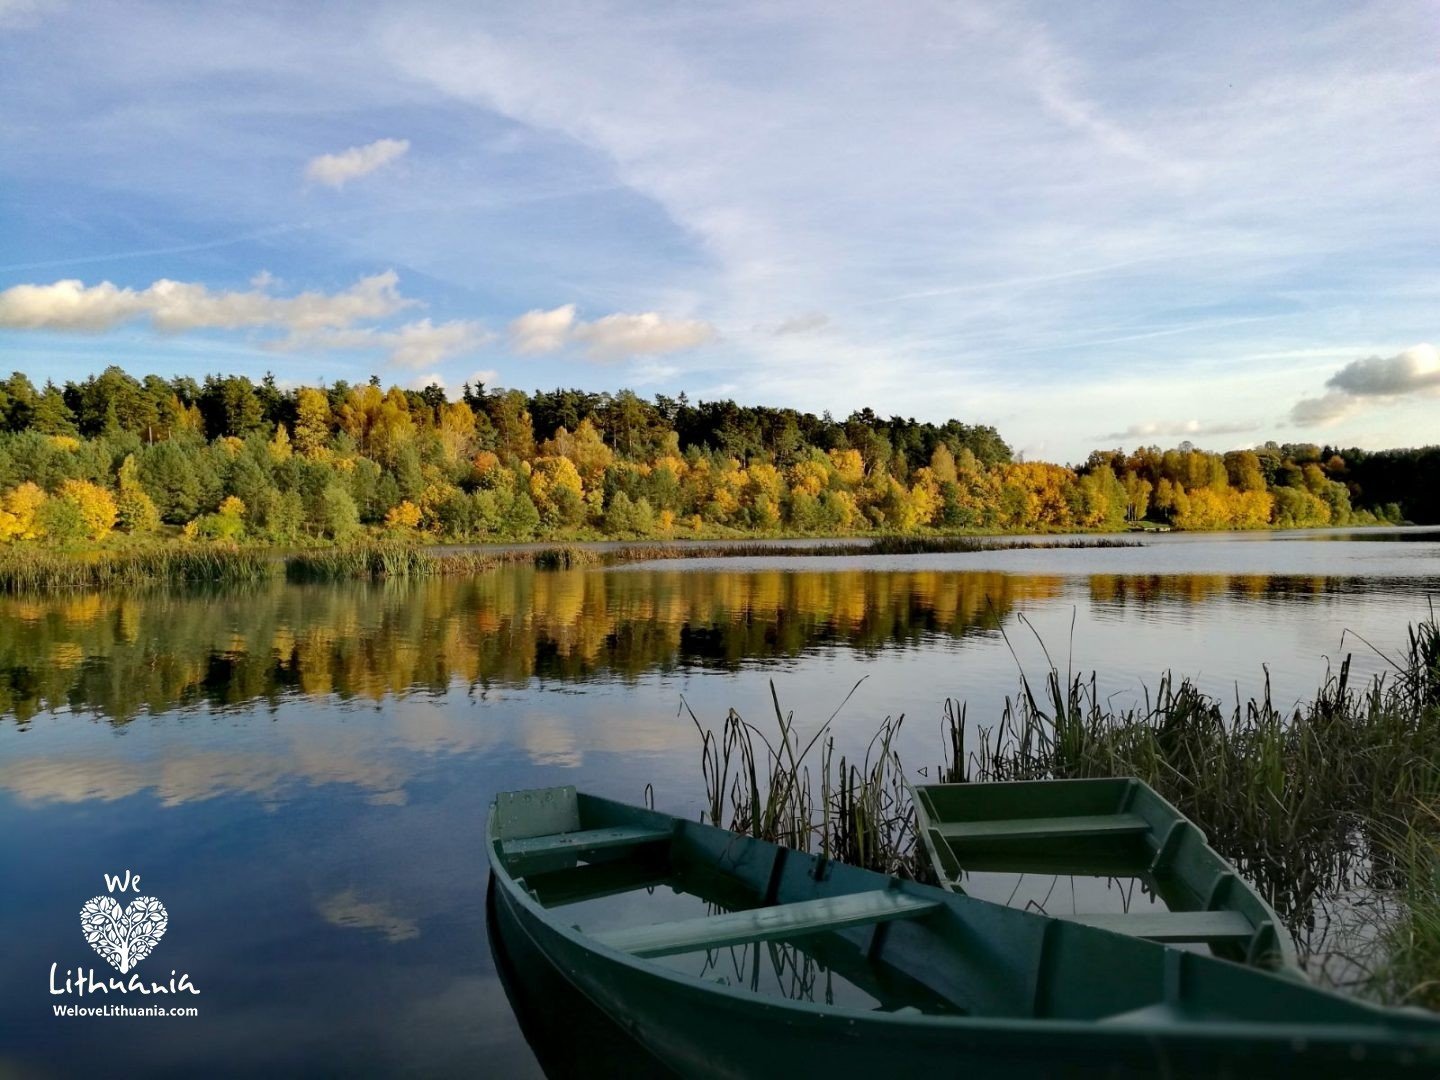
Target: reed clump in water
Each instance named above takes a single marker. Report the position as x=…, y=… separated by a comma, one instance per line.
x=26, y=569
x=360, y=561
x=565, y=557
x=763, y=788
x=29, y=569
x=1409, y=971
x=882, y=545
x=390, y=560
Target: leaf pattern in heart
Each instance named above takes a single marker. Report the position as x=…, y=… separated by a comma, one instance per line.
x=124, y=936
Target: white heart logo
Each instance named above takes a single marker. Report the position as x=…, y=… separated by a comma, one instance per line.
x=124, y=936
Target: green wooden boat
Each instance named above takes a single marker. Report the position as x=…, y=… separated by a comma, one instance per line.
x=933, y=982
x=1109, y=828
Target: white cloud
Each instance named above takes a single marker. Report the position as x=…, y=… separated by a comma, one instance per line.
x=646, y=334
x=1412, y=371
x=174, y=306
x=421, y=343
x=611, y=337
x=414, y=345
x=1373, y=380
x=1183, y=428
x=336, y=170
x=485, y=377
x=542, y=331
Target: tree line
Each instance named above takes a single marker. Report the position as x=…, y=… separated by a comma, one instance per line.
x=231, y=459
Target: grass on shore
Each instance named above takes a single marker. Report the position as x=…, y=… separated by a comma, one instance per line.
x=24, y=570
x=862, y=815
x=1408, y=971
x=34, y=569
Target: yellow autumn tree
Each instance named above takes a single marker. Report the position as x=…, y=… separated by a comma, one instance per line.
x=312, y=421
x=455, y=426
x=95, y=503
x=808, y=477
x=20, y=506
x=405, y=515
x=585, y=448
x=280, y=448
x=135, y=511
x=849, y=466
x=942, y=465
x=556, y=490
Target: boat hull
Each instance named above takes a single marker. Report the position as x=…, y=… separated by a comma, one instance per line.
x=704, y=1031
x=1033, y=996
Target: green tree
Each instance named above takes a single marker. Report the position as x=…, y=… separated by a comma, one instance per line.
x=338, y=519
x=169, y=475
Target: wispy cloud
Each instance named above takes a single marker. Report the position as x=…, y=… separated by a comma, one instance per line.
x=1188, y=429
x=337, y=170
x=613, y=337
x=807, y=323
x=19, y=14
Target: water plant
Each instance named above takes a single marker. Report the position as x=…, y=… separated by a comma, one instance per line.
x=38, y=570
x=1409, y=969
x=862, y=814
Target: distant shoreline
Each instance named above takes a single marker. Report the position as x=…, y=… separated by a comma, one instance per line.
x=34, y=569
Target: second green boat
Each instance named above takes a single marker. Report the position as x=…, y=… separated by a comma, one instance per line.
x=1107, y=828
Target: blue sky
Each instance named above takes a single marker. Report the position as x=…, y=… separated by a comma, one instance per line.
x=1086, y=224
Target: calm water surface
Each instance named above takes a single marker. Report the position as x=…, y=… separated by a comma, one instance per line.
x=301, y=773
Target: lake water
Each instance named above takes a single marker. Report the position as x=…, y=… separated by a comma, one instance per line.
x=301, y=772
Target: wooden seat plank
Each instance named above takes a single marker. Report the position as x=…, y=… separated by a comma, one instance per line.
x=766, y=923
x=586, y=840
x=1041, y=828
x=1174, y=926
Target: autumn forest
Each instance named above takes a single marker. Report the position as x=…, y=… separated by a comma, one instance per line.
x=115, y=458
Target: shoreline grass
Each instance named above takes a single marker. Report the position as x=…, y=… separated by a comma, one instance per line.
x=762, y=788
x=1408, y=972
x=38, y=570
x=24, y=570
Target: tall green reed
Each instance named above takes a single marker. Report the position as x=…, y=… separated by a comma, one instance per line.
x=762, y=786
